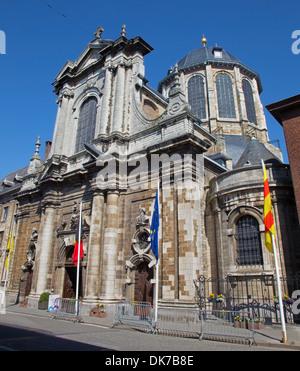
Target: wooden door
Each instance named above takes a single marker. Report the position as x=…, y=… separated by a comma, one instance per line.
x=70, y=283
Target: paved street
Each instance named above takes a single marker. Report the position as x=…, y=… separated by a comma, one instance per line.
x=26, y=332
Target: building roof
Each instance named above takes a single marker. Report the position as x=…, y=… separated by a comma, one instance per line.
x=197, y=56
x=279, y=108
x=12, y=181
x=254, y=153
x=235, y=146
x=216, y=56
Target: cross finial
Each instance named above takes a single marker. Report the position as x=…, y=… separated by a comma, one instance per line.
x=99, y=32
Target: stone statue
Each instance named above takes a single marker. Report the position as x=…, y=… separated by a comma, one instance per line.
x=142, y=220
x=30, y=255
x=74, y=218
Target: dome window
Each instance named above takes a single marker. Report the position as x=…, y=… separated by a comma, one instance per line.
x=196, y=96
x=249, y=102
x=225, y=96
x=217, y=52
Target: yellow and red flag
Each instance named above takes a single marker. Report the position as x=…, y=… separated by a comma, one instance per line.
x=9, y=251
x=268, y=215
x=78, y=245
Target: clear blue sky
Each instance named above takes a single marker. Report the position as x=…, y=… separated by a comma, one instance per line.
x=40, y=39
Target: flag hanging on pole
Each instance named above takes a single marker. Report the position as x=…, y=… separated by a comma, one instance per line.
x=268, y=215
x=9, y=250
x=155, y=226
x=271, y=245
x=76, y=244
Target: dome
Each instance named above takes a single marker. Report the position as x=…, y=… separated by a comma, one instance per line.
x=212, y=54
x=216, y=56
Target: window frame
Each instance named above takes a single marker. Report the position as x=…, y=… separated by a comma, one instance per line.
x=249, y=101
x=248, y=254
x=85, y=134
x=225, y=97
x=4, y=214
x=200, y=96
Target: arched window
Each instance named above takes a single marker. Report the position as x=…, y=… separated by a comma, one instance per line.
x=250, y=107
x=196, y=96
x=248, y=243
x=225, y=96
x=86, y=123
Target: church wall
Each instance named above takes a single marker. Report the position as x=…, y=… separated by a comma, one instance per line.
x=239, y=193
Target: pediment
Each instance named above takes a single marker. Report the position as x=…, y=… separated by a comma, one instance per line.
x=88, y=57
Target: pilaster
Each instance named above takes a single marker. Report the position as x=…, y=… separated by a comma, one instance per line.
x=110, y=244
x=94, y=253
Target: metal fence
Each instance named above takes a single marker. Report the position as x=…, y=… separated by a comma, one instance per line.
x=137, y=314
x=227, y=325
x=69, y=309
x=187, y=322
x=253, y=293
x=178, y=321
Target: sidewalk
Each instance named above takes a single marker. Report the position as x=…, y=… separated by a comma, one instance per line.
x=269, y=335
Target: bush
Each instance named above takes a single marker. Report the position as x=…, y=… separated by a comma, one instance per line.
x=44, y=296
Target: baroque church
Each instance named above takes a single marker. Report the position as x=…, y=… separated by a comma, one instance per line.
x=201, y=136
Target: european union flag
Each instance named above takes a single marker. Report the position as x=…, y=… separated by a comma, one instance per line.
x=154, y=228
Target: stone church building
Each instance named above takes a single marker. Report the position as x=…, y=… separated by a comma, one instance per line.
x=201, y=135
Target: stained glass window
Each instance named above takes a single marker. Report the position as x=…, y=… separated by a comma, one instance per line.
x=86, y=123
x=196, y=96
x=225, y=96
x=248, y=241
x=250, y=107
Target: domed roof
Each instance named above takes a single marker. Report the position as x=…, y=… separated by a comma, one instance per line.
x=216, y=56
x=199, y=56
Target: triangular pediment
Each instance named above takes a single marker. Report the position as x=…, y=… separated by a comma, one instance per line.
x=90, y=56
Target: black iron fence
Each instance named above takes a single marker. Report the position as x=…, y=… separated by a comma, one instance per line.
x=257, y=294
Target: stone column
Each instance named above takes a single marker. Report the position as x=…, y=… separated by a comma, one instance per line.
x=94, y=257
x=110, y=245
x=44, y=248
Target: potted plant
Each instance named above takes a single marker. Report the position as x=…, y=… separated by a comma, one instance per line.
x=237, y=321
x=286, y=300
x=244, y=322
x=43, y=301
x=215, y=298
x=257, y=325
x=98, y=311
x=23, y=303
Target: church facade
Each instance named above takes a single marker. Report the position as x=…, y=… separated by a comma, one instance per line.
x=200, y=136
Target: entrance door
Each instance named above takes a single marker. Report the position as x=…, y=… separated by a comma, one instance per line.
x=143, y=290
x=70, y=282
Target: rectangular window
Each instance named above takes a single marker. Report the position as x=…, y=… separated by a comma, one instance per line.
x=4, y=215
x=1, y=241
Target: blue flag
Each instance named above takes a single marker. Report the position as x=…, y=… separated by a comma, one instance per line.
x=154, y=228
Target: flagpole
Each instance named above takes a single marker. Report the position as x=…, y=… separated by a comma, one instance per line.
x=282, y=319
x=11, y=243
x=78, y=259
x=156, y=274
